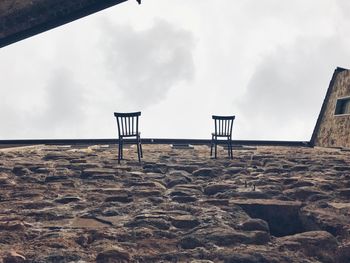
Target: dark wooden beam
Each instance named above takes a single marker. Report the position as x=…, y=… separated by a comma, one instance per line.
x=20, y=19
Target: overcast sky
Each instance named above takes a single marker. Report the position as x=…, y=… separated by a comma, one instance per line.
x=269, y=62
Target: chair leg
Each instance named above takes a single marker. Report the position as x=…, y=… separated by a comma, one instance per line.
x=141, y=148
x=119, y=154
x=121, y=149
x=216, y=146
x=211, y=146
x=231, y=150
x=228, y=147
x=138, y=152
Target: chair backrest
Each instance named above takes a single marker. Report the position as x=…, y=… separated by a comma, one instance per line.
x=128, y=123
x=223, y=124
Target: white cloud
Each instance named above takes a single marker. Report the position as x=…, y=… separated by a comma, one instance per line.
x=145, y=65
x=64, y=109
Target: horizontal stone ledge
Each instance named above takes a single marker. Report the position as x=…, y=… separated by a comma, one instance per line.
x=24, y=142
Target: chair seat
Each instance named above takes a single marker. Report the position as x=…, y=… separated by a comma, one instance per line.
x=220, y=135
x=131, y=135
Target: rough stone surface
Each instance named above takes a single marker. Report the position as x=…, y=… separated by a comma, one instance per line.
x=113, y=255
x=269, y=204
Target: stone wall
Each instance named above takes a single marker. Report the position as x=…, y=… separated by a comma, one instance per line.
x=334, y=130
x=77, y=204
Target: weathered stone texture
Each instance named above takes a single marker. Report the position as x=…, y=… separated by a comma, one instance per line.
x=269, y=204
x=334, y=131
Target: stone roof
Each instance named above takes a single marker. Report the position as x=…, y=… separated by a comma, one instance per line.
x=268, y=204
x=20, y=19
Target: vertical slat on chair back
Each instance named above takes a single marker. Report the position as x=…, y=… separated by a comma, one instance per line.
x=132, y=125
x=128, y=123
x=223, y=124
x=231, y=125
x=221, y=130
x=228, y=127
x=137, y=124
x=118, y=124
x=122, y=122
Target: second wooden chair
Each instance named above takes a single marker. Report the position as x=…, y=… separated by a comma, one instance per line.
x=128, y=127
x=223, y=128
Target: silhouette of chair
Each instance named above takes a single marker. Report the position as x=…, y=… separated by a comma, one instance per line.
x=128, y=126
x=223, y=128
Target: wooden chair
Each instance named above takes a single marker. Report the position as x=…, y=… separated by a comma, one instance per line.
x=128, y=126
x=223, y=128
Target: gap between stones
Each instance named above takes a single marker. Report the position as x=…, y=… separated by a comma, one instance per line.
x=283, y=218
